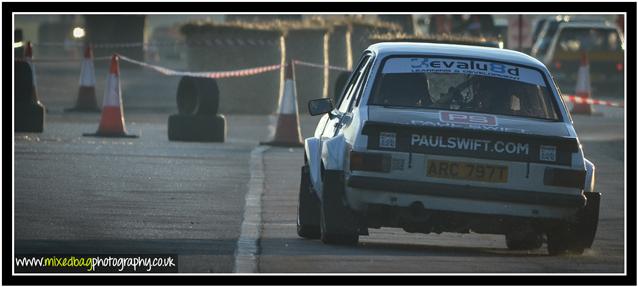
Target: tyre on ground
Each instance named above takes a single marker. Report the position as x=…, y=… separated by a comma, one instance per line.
x=198, y=128
x=524, y=241
x=307, y=208
x=338, y=223
x=29, y=112
x=197, y=96
x=574, y=237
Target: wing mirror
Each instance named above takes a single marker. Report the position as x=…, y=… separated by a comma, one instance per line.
x=320, y=106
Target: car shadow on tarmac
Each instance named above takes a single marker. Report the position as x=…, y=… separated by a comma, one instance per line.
x=439, y=250
x=306, y=247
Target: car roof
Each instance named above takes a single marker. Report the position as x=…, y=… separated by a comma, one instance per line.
x=385, y=49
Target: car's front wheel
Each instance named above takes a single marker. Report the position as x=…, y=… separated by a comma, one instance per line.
x=338, y=223
x=307, y=208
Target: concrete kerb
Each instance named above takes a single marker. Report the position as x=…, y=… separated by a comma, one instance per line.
x=247, y=250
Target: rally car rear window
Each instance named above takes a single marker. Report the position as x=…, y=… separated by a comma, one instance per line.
x=463, y=84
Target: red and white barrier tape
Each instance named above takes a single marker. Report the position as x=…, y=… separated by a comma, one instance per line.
x=308, y=64
x=213, y=75
x=588, y=101
x=61, y=60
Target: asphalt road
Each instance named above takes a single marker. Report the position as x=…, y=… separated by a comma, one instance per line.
x=76, y=194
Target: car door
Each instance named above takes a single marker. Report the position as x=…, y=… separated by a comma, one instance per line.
x=341, y=114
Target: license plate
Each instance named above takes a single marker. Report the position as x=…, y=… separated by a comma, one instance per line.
x=466, y=171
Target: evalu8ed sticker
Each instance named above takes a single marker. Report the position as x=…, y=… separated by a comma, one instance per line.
x=387, y=140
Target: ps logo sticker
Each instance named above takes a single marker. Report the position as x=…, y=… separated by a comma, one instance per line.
x=548, y=153
x=387, y=140
x=462, y=118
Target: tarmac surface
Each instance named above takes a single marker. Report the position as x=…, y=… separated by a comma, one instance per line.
x=87, y=195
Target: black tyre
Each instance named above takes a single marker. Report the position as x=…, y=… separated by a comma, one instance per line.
x=307, y=209
x=529, y=241
x=587, y=220
x=25, y=93
x=29, y=118
x=338, y=223
x=575, y=237
x=197, y=128
x=562, y=240
x=197, y=96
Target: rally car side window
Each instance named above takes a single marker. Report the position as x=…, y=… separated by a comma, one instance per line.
x=364, y=77
x=355, y=80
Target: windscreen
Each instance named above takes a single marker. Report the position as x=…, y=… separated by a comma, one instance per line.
x=465, y=85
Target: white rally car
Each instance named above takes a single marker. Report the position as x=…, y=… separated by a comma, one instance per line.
x=448, y=138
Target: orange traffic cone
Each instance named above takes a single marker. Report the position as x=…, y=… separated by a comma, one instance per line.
x=112, y=121
x=86, y=102
x=287, y=132
x=583, y=88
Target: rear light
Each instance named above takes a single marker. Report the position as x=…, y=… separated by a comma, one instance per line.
x=557, y=64
x=367, y=161
x=619, y=67
x=564, y=177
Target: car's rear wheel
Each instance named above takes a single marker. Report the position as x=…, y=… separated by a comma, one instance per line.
x=528, y=241
x=307, y=209
x=338, y=223
x=574, y=237
x=562, y=241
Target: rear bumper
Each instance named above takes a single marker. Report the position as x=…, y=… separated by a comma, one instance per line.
x=466, y=192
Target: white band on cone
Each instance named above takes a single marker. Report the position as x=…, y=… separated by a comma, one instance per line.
x=287, y=104
x=583, y=84
x=112, y=92
x=87, y=74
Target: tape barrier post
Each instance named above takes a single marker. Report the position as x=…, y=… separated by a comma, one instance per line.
x=86, y=101
x=583, y=88
x=287, y=131
x=112, y=120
